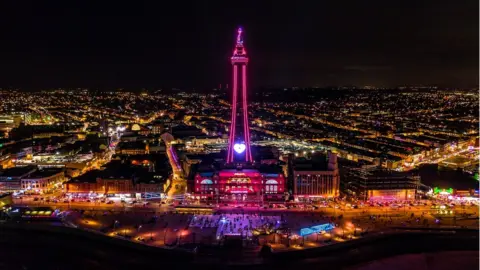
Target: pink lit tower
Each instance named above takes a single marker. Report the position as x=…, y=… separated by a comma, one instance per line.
x=239, y=139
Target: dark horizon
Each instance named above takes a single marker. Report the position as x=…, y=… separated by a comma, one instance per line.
x=188, y=45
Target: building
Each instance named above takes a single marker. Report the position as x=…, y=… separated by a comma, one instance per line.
x=10, y=179
x=246, y=185
x=132, y=148
x=43, y=181
x=316, y=178
x=373, y=183
x=121, y=179
x=239, y=138
x=157, y=128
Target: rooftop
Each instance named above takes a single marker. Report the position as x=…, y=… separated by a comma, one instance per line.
x=18, y=171
x=45, y=172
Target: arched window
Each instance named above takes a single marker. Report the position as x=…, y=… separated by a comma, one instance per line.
x=271, y=186
x=206, y=182
x=206, y=185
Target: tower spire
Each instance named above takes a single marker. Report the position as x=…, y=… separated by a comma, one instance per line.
x=239, y=36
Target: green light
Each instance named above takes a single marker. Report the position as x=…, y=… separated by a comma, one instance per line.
x=476, y=177
x=437, y=190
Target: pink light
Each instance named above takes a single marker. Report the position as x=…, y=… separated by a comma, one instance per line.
x=234, y=116
x=239, y=58
x=245, y=114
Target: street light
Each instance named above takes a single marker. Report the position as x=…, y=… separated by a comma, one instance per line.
x=115, y=225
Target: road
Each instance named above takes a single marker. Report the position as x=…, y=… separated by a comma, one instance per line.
x=331, y=211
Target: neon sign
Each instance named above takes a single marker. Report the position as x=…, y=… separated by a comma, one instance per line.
x=239, y=147
x=437, y=190
x=316, y=229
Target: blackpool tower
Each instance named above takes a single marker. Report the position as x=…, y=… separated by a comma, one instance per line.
x=239, y=140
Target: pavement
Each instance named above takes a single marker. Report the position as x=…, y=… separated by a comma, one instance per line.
x=157, y=226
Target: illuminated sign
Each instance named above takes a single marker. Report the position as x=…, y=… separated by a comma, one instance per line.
x=239, y=147
x=316, y=229
x=437, y=190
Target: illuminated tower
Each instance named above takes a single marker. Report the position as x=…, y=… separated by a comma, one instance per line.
x=239, y=140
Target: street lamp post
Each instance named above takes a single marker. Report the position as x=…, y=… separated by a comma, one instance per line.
x=164, y=236
x=179, y=236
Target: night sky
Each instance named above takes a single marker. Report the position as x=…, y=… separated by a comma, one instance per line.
x=187, y=44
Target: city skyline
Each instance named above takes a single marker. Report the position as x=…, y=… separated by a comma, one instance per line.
x=316, y=44
x=237, y=177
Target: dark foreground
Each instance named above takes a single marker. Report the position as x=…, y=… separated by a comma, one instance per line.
x=47, y=247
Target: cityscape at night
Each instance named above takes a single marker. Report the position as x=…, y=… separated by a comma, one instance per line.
x=243, y=141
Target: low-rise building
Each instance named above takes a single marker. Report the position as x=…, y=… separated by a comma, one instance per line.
x=43, y=181
x=373, y=183
x=10, y=179
x=120, y=179
x=316, y=178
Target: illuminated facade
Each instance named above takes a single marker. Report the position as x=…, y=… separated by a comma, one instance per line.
x=315, y=183
x=378, y=184
x=240, y=185
x=239, y=139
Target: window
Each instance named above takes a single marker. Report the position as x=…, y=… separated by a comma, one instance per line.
x=206, y=182
x=271, y=186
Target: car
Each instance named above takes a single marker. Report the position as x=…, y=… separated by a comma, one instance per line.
x=35, y=199
x=110, y=202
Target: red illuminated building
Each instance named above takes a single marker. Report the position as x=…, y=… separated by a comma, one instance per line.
x=240, y=185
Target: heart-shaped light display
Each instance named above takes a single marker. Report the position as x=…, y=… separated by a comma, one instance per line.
x=239, y=147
